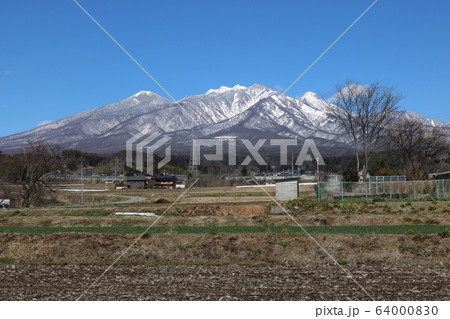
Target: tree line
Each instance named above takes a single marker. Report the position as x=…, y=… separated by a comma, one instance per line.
x=33, y=172
x=367, y=115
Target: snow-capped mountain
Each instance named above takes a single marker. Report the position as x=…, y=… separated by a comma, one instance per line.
x=425, y=120
x=244, y=112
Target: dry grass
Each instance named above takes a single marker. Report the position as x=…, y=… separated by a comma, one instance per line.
x=249, y=249
x=222, y=206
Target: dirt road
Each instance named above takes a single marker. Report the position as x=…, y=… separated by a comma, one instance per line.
x=128, y=199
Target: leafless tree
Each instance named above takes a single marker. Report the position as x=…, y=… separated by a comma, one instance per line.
x=364, y=111
x=418, y=147
x=32, y=169
x=6, y=189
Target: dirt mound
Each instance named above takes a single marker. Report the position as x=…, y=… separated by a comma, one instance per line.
x=222, y=210
x=162, y=201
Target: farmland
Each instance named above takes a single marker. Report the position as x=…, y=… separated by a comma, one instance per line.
x=224, y=243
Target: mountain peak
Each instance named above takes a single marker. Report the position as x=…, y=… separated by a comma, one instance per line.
x=148, y=93
x=224, y=89
x=260, y=87
x=310, y=95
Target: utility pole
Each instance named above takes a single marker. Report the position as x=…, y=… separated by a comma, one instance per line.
x=116, y=162
x=82, y=184
x=292, y=164
x=318, y=172
x=193, y=170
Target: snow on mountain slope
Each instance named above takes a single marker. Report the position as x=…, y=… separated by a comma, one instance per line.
x=242, y=109
x=90, y=123
x=425, y=120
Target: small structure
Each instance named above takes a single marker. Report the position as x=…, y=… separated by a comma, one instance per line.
x=7, y=203
x=136, y=182
x=180, y=185
x=286, y=189
x=167, y=182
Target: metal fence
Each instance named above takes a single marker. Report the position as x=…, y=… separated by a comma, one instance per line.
x=90, y=177
x=387, y=179
x=401, y=189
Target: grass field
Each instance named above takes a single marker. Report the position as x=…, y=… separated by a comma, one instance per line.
x=356, y=230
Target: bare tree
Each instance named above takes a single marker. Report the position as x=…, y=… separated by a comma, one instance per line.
x=418, y=147
x=32, y=169
x=364, y=111
x=6, y=189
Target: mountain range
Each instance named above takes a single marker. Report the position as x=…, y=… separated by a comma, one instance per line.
x=244, y=112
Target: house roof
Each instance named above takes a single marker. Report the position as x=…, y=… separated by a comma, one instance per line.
x=136, y=179
x=286, y=180
x=165, y=178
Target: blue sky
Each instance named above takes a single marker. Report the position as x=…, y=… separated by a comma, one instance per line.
x=55, y=62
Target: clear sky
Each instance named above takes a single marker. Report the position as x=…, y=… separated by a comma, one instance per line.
x=55, y=62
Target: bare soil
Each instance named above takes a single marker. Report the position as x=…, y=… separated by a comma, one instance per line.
x=221, y=210
x=183, y=282
x=162, y=201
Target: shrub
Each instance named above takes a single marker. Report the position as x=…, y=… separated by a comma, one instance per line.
x=17, y=213
x=420, y=237
x=349, y=206
x=404, y=248
x=304, y=203
x=407, y=204
x=387, y=209
x=285, y=243
x=445, y=233
x=252, y=255
x=431, y=221
x=350, y=175
x=341, y=261
x=6, y=260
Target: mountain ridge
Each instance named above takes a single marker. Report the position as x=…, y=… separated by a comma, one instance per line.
x=252, y=109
